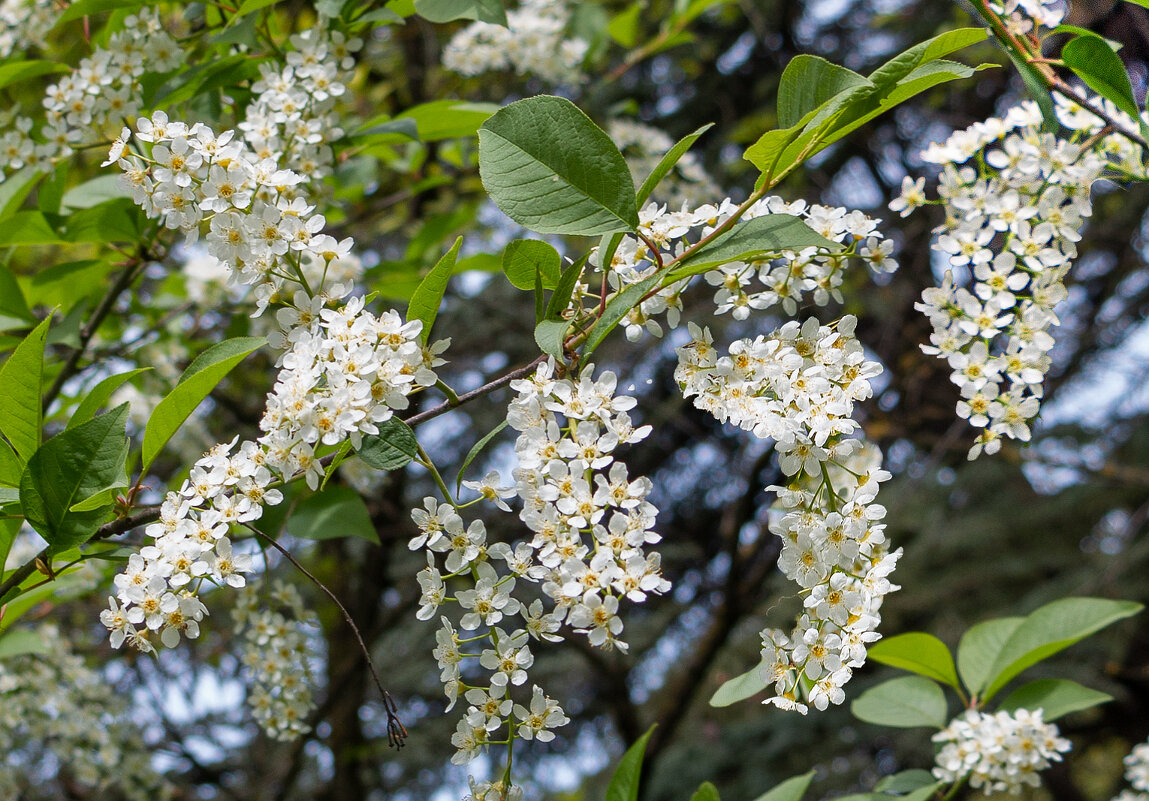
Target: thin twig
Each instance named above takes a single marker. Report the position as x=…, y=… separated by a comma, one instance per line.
x=396, y=732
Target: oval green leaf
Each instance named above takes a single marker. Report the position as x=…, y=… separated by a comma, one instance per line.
x=197, y=381
x=624, y=782
x=790, y=790
x=524, y=258
x=548, y=167
x=904, y=703
x=331, y=514
x=21, y=375
x=392, y=448
x=1055, y=697
x=919, y=653
x=1094, y=62
x=429, y=294
x=739, y=688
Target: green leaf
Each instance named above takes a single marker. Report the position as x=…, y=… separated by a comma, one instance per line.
x=550, y=335
x=1094, y=62
x=16, y=188
x=83, y=8
x=751, y=240
x=905, y=703
x=64, y=284
x=549, y=168
x=739, y=688
x=69, y=468
x=392, y=448
x=1037, y=90
x=617, y=308
x=1050, y=629
x=23, y=70
x=29, y=228
x=623, y=27
x=979, y=647
x=404, y=128
x=196, y=383
x=14, y=311
x=524, y=258
x=901, y=65
x=561, y=297
x=22, y=641
x=111, y=221
x=706, y=792
x=21, y=376
x=448, y=119
x=105, y=497
x=99, y=395
x=665, y=165
x=9, y=528
x=9, y=495
x=476, y=449
x=808, y=82
x=429, y=295
x=491, y=11
x=624, y=783
x=94, y=192
x=1078, y=30
x=906, y=781
x=250, y=6
x=918, y=653
x=1055, y=697
x=790, y=790
x=333, y=513
x=11, y=466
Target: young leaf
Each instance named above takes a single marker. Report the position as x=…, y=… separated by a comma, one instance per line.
x=333, y=513
x=918, y=653
x=1055, y=697
x=476, y=449
x=979, y=647
x=549, y=168
x=491, y=11
x=624, y=783
x=83, y=8
x=197, y=381
x=525, y=258
x=20, y=377
x=9, y=528
x=99, y=395
x=1094, y=62
x=1050, y=629
x=392, y=448
x=549, y=336
x=69, y=468
x=617, y=308
x=808, y=82
x=706, y=792
x=905, y=703
x=790, y=790
x=429, y=296
x=561, y=297
x=739, y=688
x=750, y=240
x=11, y=466
x=666, y=164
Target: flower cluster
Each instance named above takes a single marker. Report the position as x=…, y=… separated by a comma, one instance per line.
x=291, y=119
x=56, y=711
x=784, y=278
x=275, y=651
x=1137, y=774
x=95, y=99
x=532, y=43
x=1013, y=218
x=998, y=752
x=344, y=371
x=798, y=387
x=24, y=24
x=590, y=523
x=687, y=184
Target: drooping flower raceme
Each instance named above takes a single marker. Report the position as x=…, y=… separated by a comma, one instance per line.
x=344, y=369
x=275, y=652
x=998, y=752
x=532, y=43
x=590, y=523
x=798, y=387
x=1015, y=200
